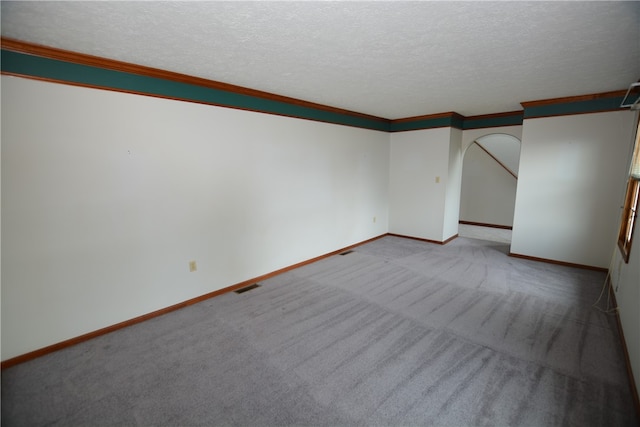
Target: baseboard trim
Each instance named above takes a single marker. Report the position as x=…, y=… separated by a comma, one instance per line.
x=482, y=224
x=455, y=236
x=437, y=242
x=632, y=382
x=553, y=261
x=103, y=331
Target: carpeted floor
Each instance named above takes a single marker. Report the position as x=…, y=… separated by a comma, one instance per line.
x=398, y=332
x=485, y=233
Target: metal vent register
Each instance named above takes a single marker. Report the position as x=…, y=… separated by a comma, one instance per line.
x=247, y=289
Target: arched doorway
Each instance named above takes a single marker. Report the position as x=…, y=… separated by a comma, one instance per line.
x=488, y=188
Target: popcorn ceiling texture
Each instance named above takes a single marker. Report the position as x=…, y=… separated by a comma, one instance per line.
x=389, y=59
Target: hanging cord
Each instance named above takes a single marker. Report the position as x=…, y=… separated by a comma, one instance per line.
x=607, y=285
x=608, y=309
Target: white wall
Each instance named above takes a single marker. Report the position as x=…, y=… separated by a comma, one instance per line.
x=106, y=197
x=625, y=279
x=572, y=172
x=453, y=184
x=504, y=148
x=416, y=200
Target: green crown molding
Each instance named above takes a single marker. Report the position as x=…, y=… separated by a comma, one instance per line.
x=571, y=107
x=39, y=66
x=84, y=75
x=453, y=120
x=493, y=120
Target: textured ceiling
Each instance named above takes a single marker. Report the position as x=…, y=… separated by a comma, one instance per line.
x=389, y=59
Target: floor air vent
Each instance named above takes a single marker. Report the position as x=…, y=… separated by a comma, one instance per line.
x=346, y=253
x=247, y=289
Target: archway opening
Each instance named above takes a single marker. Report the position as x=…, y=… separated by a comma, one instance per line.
x=488, y=189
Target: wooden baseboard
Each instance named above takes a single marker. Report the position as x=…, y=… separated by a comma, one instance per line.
x=94, y=334
x=482, y=224
x=553, y=261
x=632, y=382
x=450, y=239
x=424, y=240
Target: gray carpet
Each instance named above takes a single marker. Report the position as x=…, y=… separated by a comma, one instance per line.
x=398, y=332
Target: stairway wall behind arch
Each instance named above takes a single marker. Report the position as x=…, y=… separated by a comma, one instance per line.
x=488, y=191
